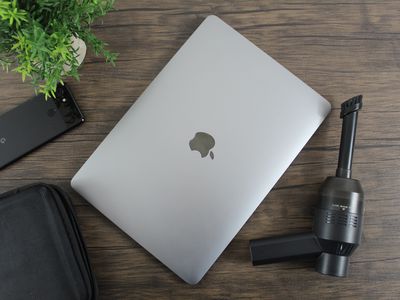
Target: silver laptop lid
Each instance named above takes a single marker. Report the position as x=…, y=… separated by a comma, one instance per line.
x=156, y=176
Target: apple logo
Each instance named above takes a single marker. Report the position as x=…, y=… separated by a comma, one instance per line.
x=202, y=142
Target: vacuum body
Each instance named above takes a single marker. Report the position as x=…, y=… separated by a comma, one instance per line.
x=338, y=216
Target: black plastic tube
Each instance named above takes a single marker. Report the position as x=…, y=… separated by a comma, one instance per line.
x=349, y=114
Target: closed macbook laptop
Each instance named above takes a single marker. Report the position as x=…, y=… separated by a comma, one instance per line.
x=200, y=149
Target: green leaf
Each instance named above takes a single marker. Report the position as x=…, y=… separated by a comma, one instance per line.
x=35, y=36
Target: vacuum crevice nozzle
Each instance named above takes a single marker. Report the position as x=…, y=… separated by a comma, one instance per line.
x=351, y=105
x=349, y=114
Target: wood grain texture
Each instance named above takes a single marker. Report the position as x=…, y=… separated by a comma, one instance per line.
x=340, y=48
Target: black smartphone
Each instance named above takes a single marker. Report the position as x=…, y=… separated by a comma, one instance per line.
x=35, y=122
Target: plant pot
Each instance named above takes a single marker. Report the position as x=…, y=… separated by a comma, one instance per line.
x=80, y=46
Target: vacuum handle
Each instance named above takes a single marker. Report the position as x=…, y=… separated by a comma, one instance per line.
x=281, y=248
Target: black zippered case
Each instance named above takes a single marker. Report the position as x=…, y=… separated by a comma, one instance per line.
x=42, y=253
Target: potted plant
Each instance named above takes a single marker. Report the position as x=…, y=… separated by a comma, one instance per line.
x=44, y=40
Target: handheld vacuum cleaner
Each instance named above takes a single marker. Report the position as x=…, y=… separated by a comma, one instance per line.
x=338, y=217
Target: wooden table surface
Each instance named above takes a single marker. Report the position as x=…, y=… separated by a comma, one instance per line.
x=340, y=48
